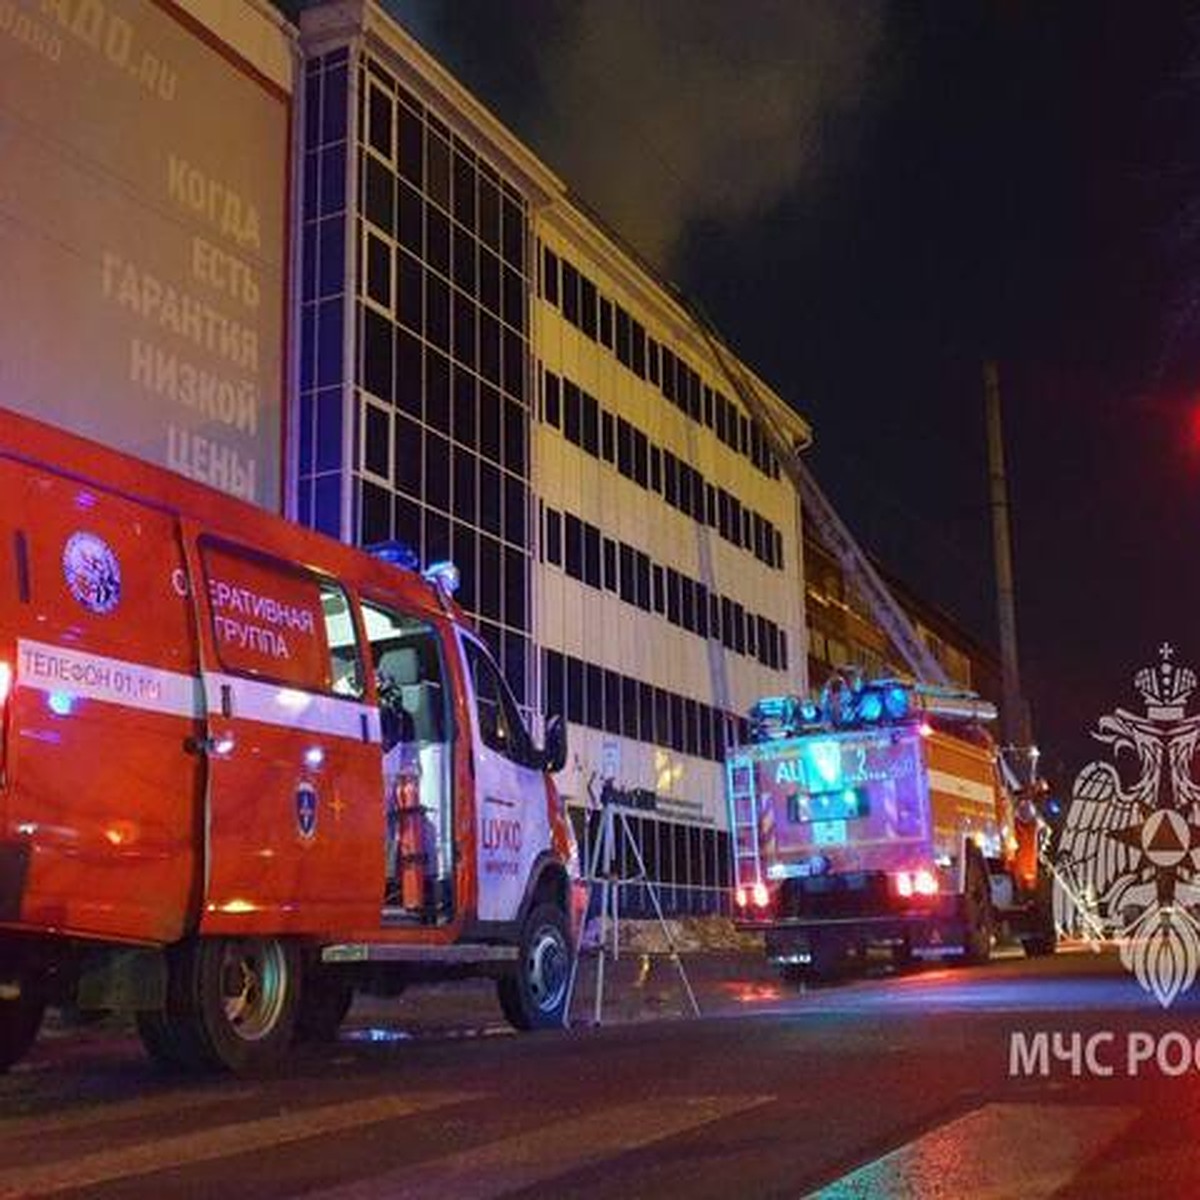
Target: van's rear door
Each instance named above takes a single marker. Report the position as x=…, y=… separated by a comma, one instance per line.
x=96, y=618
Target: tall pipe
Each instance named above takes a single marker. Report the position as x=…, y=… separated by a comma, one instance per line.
x=1013, y=723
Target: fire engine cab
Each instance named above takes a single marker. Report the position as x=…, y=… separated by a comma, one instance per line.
x=879, y=815
x=246, y=770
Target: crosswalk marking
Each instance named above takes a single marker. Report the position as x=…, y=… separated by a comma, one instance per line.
x=542, y=1154
x=126, y=1110
x=207, y=1145
x=997, y=1152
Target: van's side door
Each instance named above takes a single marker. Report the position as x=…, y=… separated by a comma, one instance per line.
x=294, y=814
x=512, y=823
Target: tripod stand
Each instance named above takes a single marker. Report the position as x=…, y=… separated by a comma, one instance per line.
x=601, y=869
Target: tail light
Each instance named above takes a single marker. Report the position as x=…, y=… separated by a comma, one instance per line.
x=761, y=896
x=741, y=897
x=921, y=882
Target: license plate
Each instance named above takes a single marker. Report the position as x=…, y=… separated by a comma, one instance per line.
x=829, y=833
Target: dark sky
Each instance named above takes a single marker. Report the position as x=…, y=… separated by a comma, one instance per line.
x=868, y=199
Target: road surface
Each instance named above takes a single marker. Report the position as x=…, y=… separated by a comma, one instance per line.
x=889, y=1086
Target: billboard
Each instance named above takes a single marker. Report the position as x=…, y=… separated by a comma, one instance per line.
x=143, y=239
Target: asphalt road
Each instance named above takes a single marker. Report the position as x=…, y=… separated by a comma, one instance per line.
x=888, y=1086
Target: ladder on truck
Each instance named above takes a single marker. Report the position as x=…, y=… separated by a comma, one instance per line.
x=830, y=527
x=743, y=820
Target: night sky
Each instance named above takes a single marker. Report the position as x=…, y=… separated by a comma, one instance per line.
x=868, y=200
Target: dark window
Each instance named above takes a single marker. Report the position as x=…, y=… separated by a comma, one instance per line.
x=624, y=447
x=591, y=555
x=611, y=582
x=594, y=687
x=606, y=322
x=628, y=586
x=677, y=728
x=587, y=307
x=570, y=293
x=377, y=354
x=575, y=709
x=574, y=557
x=655, y=469
x=668, y=374
x=514, y=509
x=379, y=201
x=652, y=360
x=466, y=492
x=437, y=471
x=645, y=695
x=660, y=589
x=554, y=682
x=638, y=346
x=608, y=437
x=489, y=213
x=572, y=417
x=612, y=702
x=687, y=603
x=623, y=349
x=672, y=595
x=489, y=422
x=641, y=467
x=591, y=425
x=437, y=168
x=709, y=404
x=644, y=598
x=464, y=190
x=629, y=707
x=408, y=464
x=489, y=497
x=702, y=610
x=552, y=414
x=550, y=275
x=465, y=423
x=662, y=717
x=670, y=478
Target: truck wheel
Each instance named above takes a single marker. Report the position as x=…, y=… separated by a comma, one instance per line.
x=231, y=1003
x=20, y=1020
x=324, y=1002
x=534, y=994
x=1043, y=938
x=977, y=913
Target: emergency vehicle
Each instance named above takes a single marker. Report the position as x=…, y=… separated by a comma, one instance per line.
x=246, y=770
x=879, y=815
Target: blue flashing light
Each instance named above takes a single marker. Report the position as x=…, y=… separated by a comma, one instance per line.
x=396, y=554
x=870, y=706
x=443, y=575
x=60, y=703
x=823, y=764
x=896, y=701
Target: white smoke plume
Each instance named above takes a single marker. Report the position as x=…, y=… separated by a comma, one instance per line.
x=675, y=111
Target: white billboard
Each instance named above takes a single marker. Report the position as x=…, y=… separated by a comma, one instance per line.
x=143, y=237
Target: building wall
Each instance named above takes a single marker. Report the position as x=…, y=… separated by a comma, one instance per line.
x=488, y=376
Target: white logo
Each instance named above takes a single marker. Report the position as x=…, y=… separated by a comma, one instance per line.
x=1127, y=864
x=92, y=572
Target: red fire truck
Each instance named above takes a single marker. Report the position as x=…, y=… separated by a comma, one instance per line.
x=246, y=770
x=878, y=815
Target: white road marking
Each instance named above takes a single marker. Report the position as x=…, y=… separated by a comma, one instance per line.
x=545, y=1153
x=997, y=1152
x=207, y=1145
x=130, y=1110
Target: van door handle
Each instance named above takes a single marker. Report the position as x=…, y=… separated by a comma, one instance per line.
x=226, y=700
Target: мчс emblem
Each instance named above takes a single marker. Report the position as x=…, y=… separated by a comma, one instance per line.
x=306, y=809
x=1127, y=862
x=92, y=572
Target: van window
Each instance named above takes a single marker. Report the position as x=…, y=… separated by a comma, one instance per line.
x=500, y=725
x=408, y=675
x=279, y=622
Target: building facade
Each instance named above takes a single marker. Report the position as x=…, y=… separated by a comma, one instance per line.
x=488, y=375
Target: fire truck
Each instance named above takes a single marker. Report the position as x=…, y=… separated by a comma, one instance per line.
x=879, y=815
x=247, y=771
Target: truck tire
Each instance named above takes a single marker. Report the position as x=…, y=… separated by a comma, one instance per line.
x=20, y=1020
x=534, y=994
x=1042, y=939
x=232, y=1005
x=978, y=919
x=324, y=1002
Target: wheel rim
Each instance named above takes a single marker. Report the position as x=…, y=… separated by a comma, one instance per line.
x=548, y=968
x=253, y=987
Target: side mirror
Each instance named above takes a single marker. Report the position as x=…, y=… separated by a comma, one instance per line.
x=554, y=751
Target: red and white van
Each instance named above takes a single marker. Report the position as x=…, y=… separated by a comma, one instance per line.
x=246, y=770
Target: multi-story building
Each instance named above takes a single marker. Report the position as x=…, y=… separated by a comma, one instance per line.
x=489, y=375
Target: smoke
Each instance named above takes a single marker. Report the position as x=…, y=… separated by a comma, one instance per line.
x=664, y=114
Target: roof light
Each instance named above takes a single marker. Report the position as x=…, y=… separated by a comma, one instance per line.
x=443, y=575
x=396, y=554
x=870, y=707
x=896, y=701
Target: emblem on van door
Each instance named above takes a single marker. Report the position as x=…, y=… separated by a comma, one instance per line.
x=92, y=572
x=306, y=809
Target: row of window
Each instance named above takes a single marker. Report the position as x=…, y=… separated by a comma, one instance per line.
x=440, y=167
x=583, y=551
x=583, y=421
x=591, y=695
x=606, y=322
